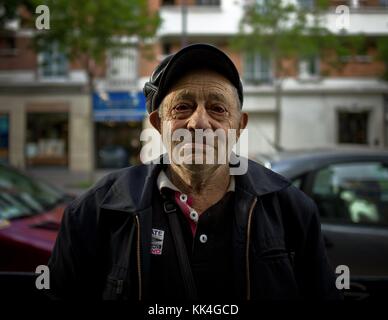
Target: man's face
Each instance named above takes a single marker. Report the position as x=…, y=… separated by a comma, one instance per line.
x=201, y=100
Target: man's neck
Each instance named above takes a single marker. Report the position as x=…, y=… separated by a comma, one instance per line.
x=206, y=186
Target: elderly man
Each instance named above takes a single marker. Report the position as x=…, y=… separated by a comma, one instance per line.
x=185, y=229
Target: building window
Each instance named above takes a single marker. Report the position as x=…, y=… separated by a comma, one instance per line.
x=353, y=127
x=309, y=68
x=363, y=58
x=208, y=2
x=259, y=5
x=47, y=138
x=122, y=66
x=168, y=2
x=8, y=45
x=257, y=69
x=306, y=4
x=383, y=3
x=260, y=2
x=359, y=58
x=53, y=63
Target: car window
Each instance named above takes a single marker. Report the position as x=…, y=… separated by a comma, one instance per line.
x=21, y=195
x=353, y=192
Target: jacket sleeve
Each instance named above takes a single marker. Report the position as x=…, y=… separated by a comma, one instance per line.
x=71, y=272
x=64, y=260
x=316, y=276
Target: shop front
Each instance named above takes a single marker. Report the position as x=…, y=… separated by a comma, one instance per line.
x=118, y=120
x=47, y=139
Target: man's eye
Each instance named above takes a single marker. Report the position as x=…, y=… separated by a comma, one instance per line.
x=182, y=107
x=217, y=109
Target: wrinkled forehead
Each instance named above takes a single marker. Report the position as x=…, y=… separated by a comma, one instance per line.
x=203, y=81
x=201, y=93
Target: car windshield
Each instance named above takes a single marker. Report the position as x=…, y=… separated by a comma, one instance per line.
x=22, y=196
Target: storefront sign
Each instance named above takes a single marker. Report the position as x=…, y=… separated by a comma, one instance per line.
x=119, y=106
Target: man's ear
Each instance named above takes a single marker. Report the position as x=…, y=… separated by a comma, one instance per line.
x=243, y=120
x=155, y=120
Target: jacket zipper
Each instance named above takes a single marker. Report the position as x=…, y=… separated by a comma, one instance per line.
x=138, y=256
x=247, y=249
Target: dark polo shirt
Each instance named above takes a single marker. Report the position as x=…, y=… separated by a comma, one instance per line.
x=209, y=250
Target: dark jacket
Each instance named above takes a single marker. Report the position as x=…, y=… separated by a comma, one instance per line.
x=103, y=247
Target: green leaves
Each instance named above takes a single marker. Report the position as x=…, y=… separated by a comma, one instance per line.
x=271, y=27
x=284, y=29
x=88, y=28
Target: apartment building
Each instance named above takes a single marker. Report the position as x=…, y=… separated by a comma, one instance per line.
x=49, y=117
x=320, y=106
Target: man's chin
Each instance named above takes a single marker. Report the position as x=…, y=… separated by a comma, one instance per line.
x=197, y=159
x=199, y=168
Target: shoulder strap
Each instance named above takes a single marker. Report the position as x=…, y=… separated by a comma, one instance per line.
x=183, y=260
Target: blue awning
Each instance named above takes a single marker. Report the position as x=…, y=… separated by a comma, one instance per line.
x=119, y=106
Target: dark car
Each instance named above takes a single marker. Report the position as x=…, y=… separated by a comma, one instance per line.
x=30, y=215
x=350, y=188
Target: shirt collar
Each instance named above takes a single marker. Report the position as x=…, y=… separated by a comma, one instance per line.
x=164, y=182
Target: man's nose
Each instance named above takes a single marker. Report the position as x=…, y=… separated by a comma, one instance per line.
x=199, y=119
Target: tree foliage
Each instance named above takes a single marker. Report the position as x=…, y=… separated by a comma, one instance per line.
x=85, y=30
x=289, y=29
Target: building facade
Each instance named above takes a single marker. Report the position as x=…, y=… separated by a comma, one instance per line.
x=320, y=106
x=48, y=117
x=44, y=109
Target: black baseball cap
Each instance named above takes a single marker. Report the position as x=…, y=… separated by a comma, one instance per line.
x=192, y=57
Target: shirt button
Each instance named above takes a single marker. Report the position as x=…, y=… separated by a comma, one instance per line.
x=203, y=238
x=194, y=215
x=183, y=197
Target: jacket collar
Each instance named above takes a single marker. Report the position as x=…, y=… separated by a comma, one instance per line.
x=133, y=187
x=259, y=181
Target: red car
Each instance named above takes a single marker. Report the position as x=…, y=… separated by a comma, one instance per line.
x=30, y=216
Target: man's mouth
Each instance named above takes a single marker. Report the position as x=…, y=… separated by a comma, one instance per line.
x=192, y=148
x=197, y=153
x=196, y=146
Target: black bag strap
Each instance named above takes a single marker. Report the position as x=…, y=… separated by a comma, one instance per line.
x=183, y=259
